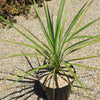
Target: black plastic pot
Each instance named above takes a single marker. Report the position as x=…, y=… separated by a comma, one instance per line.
x=62, y=93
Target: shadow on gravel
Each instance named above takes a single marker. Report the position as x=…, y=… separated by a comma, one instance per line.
x=31, y=90
x=28, y=88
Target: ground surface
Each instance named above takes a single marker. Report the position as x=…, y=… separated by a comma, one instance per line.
x=28, y=88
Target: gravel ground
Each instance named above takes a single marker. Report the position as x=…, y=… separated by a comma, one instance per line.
x=27, y=88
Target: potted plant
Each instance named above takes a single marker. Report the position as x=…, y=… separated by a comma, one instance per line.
x=56, y=69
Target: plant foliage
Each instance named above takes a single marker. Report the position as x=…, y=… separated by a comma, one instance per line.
x=58, y=42
x=11, y=8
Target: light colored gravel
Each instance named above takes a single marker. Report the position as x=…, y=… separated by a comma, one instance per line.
x=89, y=78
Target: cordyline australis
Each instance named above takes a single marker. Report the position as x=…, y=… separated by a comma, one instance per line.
x=58, y=42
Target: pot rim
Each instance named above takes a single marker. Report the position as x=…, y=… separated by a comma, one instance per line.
x=63, y=86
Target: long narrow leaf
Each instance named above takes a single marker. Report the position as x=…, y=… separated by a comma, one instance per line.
x=37, y=40
x=77, y=43
x=85, y=40
x=49, y=23
x=84, y=66
x=16, y=55
x=84, y=58
x=59, y=16
x=73, y=23
x=62, y=28
x=80, y=21
x=81, y=11
x=42, y=24
x=82, y=17
x=68, y=80
x=82, y=45
x=84, y=27
x=30, y=72
x=21, y=32
x=27, y=45
x=14, y=75
x=58, y=23
x=84, y=36
x=53, y=83
x=76, y=78
x=82, y=41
